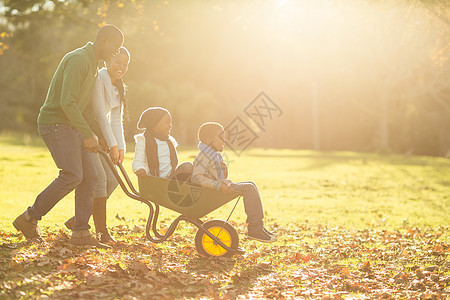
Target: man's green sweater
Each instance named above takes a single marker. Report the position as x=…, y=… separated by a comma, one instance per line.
x=70, y=92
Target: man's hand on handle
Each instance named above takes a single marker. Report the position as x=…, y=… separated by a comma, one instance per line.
x=91, y=144
x=103, y=144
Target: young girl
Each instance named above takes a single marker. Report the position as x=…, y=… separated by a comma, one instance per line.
x=155, y=153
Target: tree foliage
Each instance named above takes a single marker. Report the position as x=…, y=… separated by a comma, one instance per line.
x=357, y=76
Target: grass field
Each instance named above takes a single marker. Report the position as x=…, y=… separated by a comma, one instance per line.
x=346, y=189
x=313, y=200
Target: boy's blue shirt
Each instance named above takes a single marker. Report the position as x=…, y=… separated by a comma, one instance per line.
x=216, y=156
x=206, y=172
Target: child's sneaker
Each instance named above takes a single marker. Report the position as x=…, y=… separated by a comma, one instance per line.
x=260, y=234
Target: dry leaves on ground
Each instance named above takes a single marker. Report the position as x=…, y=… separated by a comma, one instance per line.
x=311, y=262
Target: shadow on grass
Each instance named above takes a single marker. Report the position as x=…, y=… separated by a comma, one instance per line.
x=138, y=269
x=241, y=282
x=245, y=280
x=218, y=265
x=8, y=246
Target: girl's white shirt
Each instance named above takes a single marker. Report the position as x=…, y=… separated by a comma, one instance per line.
x=107, y=110
x=140, y=158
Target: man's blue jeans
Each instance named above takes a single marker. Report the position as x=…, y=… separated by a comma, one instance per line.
x=252, y=202
x=77, y=171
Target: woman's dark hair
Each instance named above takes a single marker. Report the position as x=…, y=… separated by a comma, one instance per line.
x=122, y=88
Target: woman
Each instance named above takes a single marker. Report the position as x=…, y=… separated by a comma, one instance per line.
x=108, y=104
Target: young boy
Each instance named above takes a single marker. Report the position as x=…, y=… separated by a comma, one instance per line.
x=211, y=171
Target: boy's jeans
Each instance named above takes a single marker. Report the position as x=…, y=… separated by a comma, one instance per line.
x=77, y=171
x=252, y=202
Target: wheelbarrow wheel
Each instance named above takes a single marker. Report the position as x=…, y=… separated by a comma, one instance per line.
x=223, y=230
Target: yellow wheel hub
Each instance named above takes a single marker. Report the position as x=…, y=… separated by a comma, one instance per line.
x=211, y=247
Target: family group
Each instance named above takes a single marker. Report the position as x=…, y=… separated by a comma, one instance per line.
x=83, y=112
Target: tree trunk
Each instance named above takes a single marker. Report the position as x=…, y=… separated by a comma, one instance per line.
x=383, y=143
x=315, y=117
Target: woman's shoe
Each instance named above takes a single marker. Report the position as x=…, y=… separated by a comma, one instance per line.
x=84, y=238
x=70, y=223
x=105, y=238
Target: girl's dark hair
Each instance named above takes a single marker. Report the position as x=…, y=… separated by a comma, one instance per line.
x=150, y=117
x=122, y=88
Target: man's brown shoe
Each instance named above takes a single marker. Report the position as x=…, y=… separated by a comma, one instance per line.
x=29, y=227
x=85, y=238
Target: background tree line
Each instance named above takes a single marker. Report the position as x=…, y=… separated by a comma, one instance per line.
x=348, y=75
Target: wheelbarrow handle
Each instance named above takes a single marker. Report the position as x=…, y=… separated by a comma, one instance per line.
x=116, y=174
x=134, y=194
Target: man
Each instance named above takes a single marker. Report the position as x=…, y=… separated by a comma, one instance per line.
x=66, y=125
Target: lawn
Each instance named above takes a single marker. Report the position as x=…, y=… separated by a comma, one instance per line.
x=350, y=225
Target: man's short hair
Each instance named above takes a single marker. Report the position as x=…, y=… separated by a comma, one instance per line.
x=108, y=32
x=208, y=130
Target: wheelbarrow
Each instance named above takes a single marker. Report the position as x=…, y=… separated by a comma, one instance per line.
x=213, y=238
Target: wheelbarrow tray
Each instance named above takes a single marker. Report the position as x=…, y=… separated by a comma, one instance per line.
x=188, y=199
